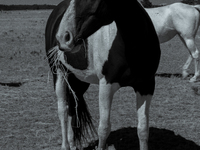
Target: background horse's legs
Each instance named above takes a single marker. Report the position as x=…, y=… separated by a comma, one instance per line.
x=194, y=52
x=143, y=104
x=186, y=66
x=106, y=92
x=190, y=43
x=196, y=65
x=60, y=89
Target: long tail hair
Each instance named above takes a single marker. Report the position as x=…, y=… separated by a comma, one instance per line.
x=82, y=125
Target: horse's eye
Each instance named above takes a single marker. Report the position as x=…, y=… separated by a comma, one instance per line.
x=79, y=41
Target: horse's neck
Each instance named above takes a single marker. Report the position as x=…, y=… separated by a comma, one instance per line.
x=129, y=18
x=133, y=22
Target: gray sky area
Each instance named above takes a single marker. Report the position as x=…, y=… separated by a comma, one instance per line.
x=54, y=2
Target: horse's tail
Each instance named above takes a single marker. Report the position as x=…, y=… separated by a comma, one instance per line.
x=197, y=7
x=82, y=125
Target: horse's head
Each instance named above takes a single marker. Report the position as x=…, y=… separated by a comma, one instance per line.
x=81, y=19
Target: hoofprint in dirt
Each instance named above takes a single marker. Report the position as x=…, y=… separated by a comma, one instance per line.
x=28, y=113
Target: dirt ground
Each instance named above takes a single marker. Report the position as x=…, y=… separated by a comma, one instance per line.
x=28, y=106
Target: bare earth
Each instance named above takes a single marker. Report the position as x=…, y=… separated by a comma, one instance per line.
x=28, y=106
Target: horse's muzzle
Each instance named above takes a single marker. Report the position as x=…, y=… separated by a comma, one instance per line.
x=65, y=41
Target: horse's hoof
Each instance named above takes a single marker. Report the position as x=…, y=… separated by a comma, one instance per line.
x=192, y=80
x=185, y=74
x=196, y=88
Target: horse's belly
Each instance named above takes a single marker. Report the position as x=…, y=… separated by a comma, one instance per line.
x=90, y=78
x=88, y=75
x=166, y=35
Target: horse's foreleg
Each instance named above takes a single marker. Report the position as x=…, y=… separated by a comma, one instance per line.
x=106, y=92
x=105, y=100
x=185, y=67
x=60, y=89
x=143, y=104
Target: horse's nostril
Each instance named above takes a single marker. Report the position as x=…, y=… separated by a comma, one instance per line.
x=61, y=49
x=67, y=36
x=65, y=41
x=59, y=46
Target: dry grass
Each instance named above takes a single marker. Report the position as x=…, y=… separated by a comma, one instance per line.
x=28, y=113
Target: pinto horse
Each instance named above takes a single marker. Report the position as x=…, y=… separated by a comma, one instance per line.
x=83, y=49
x=182, y=20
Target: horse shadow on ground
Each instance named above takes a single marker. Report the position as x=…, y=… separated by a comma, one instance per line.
x=12, y=84
x=159, y=139
x=169, y=75
x=164, y=75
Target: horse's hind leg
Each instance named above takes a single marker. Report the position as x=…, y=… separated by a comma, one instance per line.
x=190, y=43
x=60, y=89
x=143, y=104
x=186, y=66
x=194, y=54
x=144, y=92
x=196, y=64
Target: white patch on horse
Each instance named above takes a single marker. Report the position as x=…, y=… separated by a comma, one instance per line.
x=143, y=104
x=69, y=17
x=106, y=93
x=99, y=45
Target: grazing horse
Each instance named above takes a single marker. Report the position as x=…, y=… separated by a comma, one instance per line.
x=179, y=19
x=81, y=51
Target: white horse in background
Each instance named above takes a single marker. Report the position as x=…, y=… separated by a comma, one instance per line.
x=182, y=20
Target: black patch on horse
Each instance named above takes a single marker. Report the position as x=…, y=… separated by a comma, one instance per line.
x=88, y=17
x=136, y=65
x=78, y=60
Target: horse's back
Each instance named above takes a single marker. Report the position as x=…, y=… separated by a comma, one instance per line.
x=185, y=18
x=182, y=10
x=172, y=19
